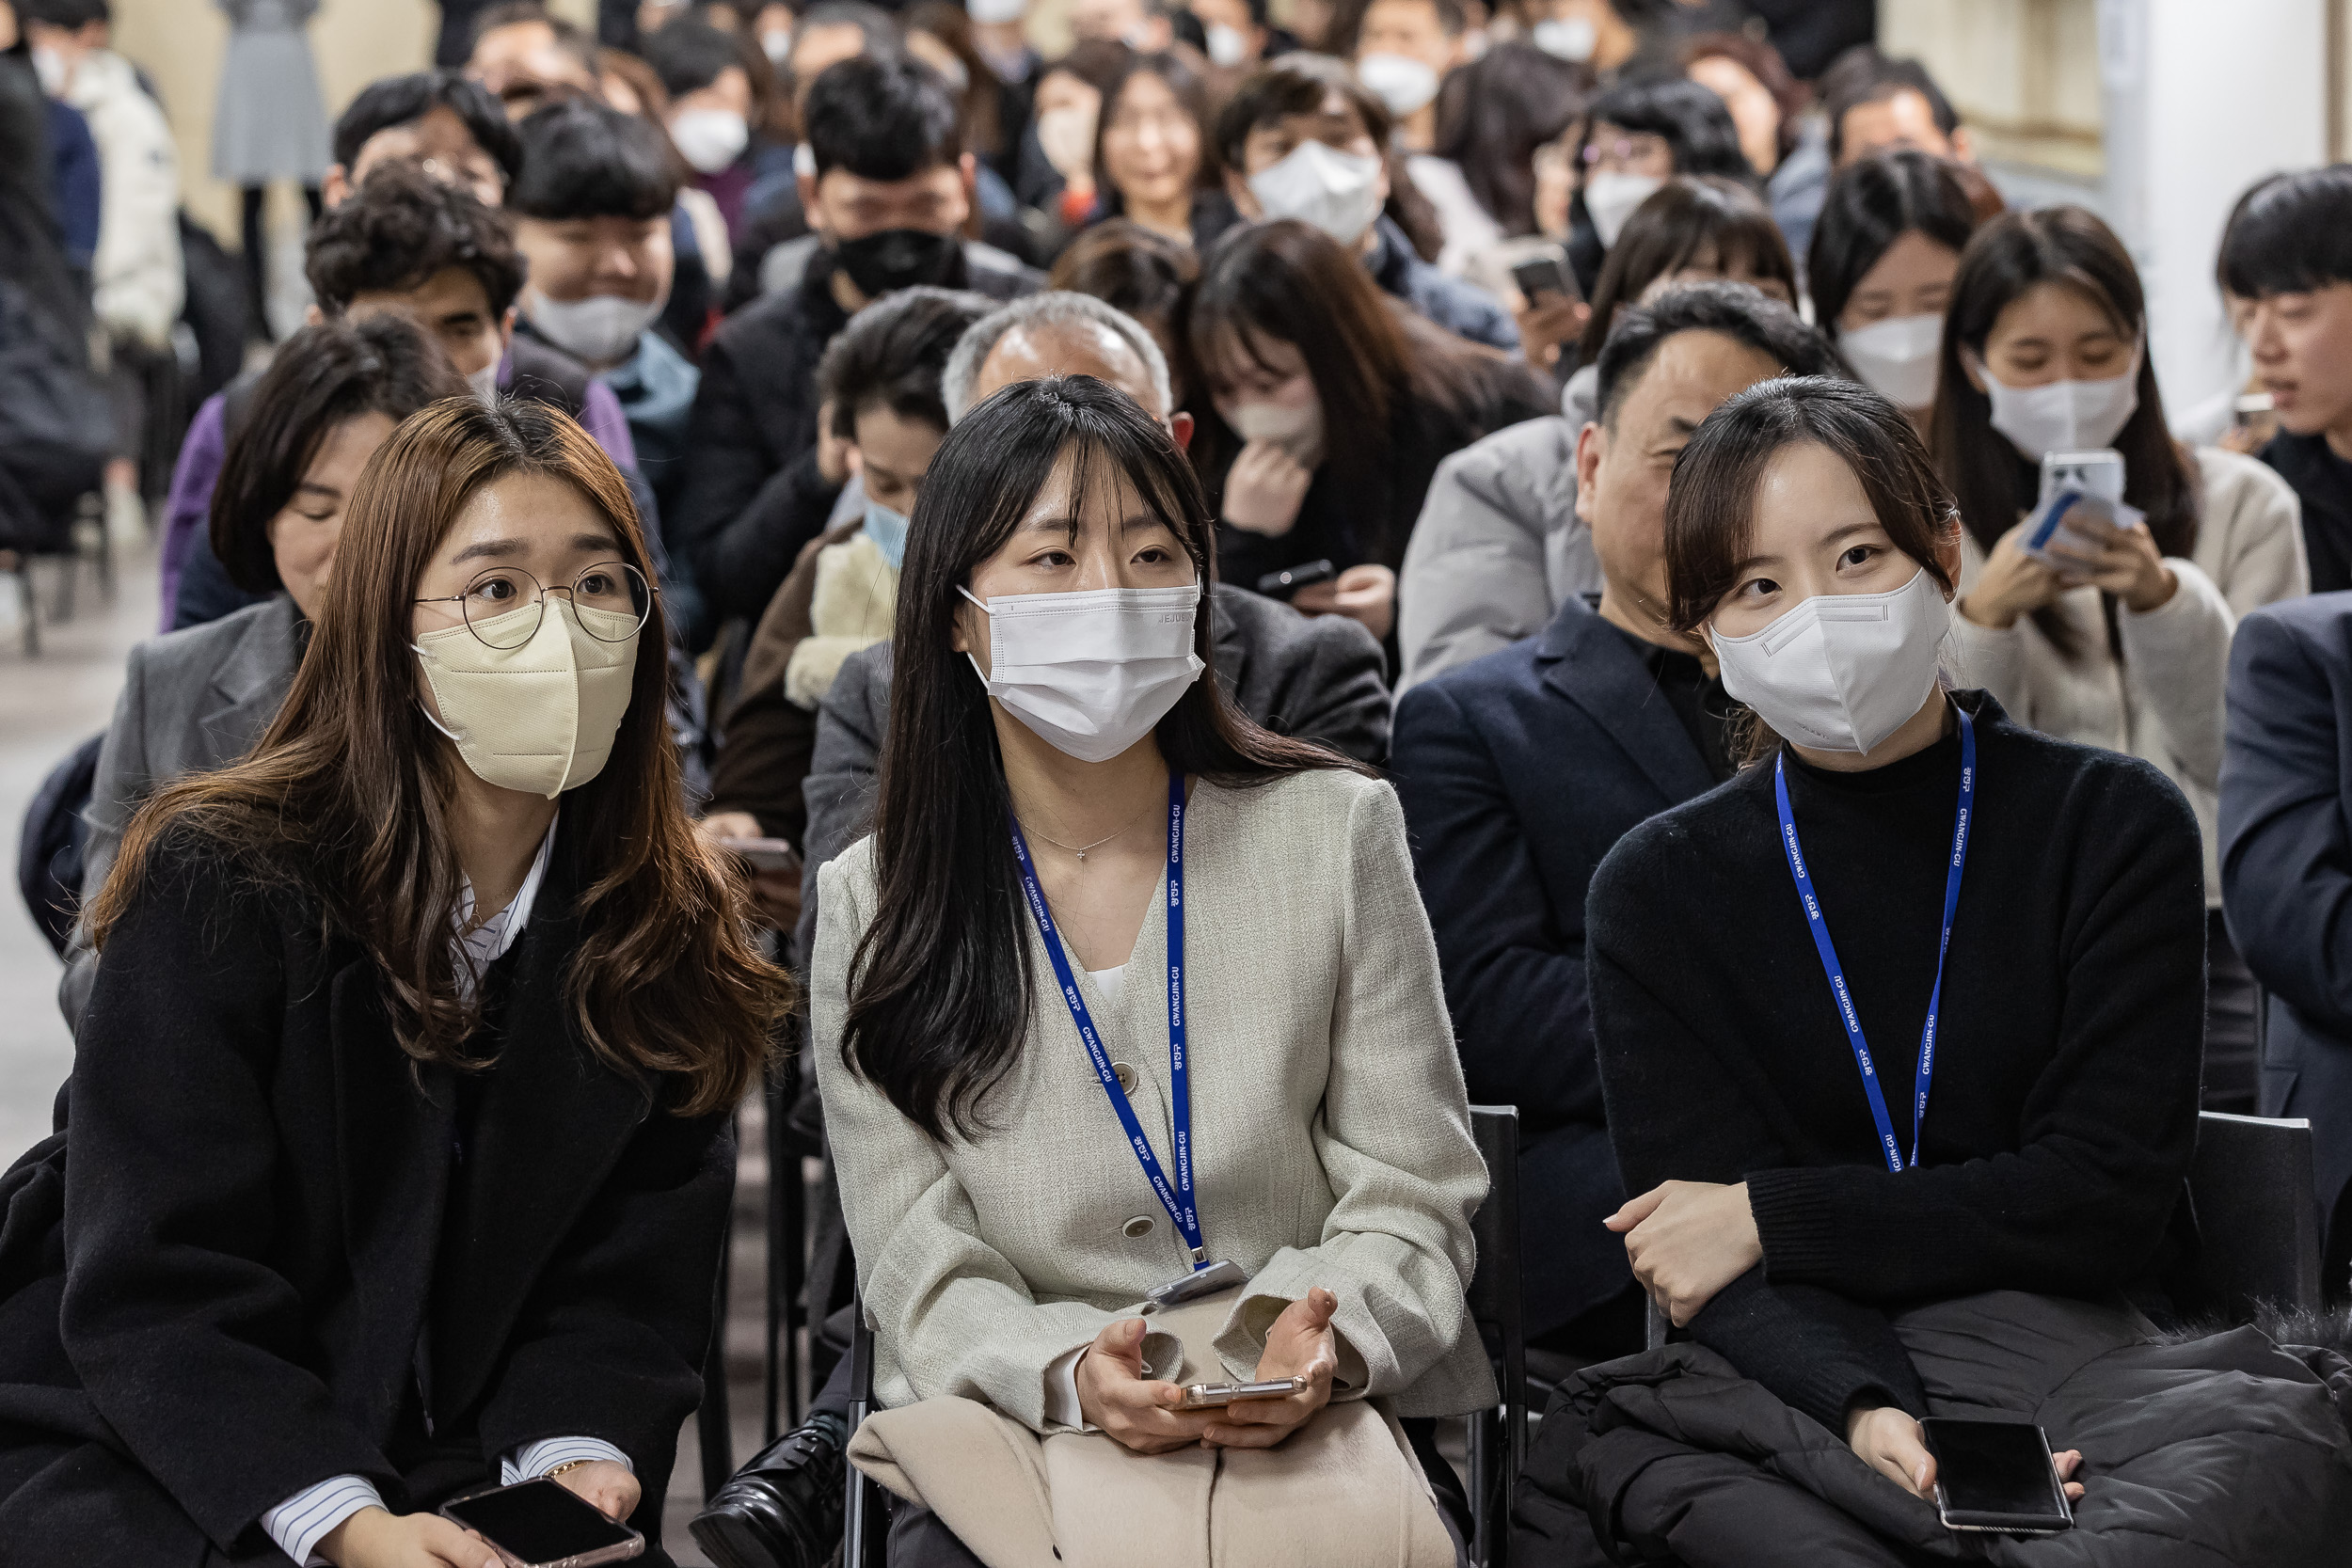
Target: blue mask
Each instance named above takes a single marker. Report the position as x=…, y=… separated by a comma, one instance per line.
x=888, y=530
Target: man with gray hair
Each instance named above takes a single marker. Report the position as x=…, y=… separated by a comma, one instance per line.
x=1030, y=332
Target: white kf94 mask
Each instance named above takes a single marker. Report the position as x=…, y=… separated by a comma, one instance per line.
x=1090, y=672
x=1841, y=671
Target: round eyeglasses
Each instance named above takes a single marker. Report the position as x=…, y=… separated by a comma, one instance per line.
x=616, y=590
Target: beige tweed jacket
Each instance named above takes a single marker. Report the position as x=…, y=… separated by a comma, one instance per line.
x=1332, y=1140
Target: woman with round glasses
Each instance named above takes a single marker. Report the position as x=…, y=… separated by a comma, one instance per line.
x=398, y=1156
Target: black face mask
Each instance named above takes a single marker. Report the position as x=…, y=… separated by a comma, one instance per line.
x=896, y=259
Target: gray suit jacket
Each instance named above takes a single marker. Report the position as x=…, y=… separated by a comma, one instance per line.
x=1333, y=1143
x=192, y=701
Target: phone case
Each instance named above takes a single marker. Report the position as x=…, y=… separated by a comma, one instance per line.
x=620, y=1551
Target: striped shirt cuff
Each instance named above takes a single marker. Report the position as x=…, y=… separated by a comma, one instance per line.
x=537, y=1459
x=299, y=1523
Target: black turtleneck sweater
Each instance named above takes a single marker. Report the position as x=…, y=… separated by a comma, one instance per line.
x=2063, y=1111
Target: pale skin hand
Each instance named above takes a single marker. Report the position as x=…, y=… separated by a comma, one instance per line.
x=1135, y=1411
x=1301, y=1343
x=1263, y=491
x=2012, y=585
x=2120, y=559
x=1365, y=593
x=1143, y=1414
x=1888, y=1440
x=777, y=894
x=372, y=1538
x=1548, y=322
x=1686, y=1240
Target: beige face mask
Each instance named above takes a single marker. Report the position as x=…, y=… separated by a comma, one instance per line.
x=540, y=718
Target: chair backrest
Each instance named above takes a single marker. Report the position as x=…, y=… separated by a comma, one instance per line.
x=1494, y=1287
x=2251, y=1189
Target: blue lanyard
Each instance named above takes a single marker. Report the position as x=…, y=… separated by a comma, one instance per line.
x=1836, y=972
x=1176, y=1201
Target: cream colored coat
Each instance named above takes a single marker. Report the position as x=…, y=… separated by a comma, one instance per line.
x=2163, y=700
x=1332, y=1140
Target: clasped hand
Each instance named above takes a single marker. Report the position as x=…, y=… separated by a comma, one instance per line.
x=1686, y=1240
x=1145, y=1414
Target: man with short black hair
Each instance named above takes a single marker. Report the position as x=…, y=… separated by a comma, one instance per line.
x=888, y=197
x=444, y=123
x=1633, y=717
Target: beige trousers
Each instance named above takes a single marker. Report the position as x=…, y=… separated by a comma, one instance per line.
x=1343, y=1492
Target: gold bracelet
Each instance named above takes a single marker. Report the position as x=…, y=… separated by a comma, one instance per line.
x=568, y=1464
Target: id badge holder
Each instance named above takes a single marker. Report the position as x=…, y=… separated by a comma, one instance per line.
x=1223, y=1275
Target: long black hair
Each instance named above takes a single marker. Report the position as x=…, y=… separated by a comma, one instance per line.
x=2012, y=254
x=1872, y=203
x=939, y=987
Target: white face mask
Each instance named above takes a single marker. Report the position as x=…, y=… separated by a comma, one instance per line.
x=1297, y=428
x=1226, y=47
x=995, y=13
x=485, y=384
x=1572, y=37
x=1897, y=356
x=49, y=66
x=1399, y=81
x=1610, y=197
x=709, y=139
x=539, y=718
x=1090, y=674
x=599, y=329
x=2064, y=416
x=776, y=43
x=1841, y=671
x=1336, y=192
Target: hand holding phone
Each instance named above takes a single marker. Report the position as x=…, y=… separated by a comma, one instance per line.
x=766, y=854
x=540, y=1524
x=1215, y=1396
x=1999, y=1476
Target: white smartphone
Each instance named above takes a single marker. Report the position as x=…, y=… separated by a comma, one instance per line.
x=1211, y=1395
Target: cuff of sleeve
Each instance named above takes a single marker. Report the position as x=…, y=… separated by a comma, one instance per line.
x=1801, y=1239
x=1828, y=1392
x=303, y=1520
x=537, y=1459
x=1061, y=1391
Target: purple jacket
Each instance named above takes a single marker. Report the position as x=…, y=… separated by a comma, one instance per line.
x=187, y=512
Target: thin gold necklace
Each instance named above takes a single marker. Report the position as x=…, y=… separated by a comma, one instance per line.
x=1080, y=852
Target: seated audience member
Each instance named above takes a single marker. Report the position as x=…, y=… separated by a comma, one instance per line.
x=2284, y=859
x=1323, y=410
x=1597, y=35
x=880, y=378
x=1135, y=272
x=1404, y=53
x=942, y=35
x=2288, y=256
x=1786, y=148
x=195, y=700
x=409, y=244
x=889, y=198
x=1303, y=139
x=1240, y=35
x=593, y=223
x=1611, y=697
x=1498, y=547
x=2122, y=639
x=1885, y=250
x=1871, y=102
x=527, y=56
x=1855, y=1261
x=1055, y=171
x=376, y=1199
x=1154, y=163
x=1332, y=1154
x=1637, y=137
x=439, y=120
x=1494, y=112
x=702, y=257
x=715, y=114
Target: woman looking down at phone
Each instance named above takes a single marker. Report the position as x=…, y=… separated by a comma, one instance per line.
x=2117, y=633
x=1125, y=993
x=397, y=1161
x=1899, y=1035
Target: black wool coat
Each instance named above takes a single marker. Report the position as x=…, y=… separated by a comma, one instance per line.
x=255, y=1259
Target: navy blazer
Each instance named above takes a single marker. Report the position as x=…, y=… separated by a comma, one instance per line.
x=2286, y=867
x=1519, y=772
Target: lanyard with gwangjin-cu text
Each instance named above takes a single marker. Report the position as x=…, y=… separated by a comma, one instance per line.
x=1836, y=973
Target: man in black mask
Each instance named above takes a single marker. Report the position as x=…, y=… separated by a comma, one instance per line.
x=888, y=199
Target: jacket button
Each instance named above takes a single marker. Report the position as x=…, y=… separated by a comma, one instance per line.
x=1126, y=1076
x=1139, y=1227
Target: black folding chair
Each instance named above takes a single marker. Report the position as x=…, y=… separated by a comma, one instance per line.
x=2251, y=1189
x=1497, y=1439
x=866, y=1523
x=787, y=1262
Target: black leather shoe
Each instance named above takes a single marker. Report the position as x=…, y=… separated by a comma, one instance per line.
x=783, y=1509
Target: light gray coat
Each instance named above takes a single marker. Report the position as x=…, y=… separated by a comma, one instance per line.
x=1332, y=1134
x=192, y=701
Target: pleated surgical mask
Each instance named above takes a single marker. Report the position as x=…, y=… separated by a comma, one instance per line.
x=1090, y=672
x=1841, y=671
x=1897, y=357
x=1336, y=192
x=539, y=718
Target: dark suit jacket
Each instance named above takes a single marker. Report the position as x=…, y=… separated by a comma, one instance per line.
x=2286, y=868
x=1517, y=772
x=273, y=1249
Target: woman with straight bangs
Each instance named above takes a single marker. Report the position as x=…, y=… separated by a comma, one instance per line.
x=2118, y=634
x=1043, y=1132
x=398, y=1157
x=1899, y=1035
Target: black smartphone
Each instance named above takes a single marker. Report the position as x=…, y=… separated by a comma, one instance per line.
x=1290, y=579
x=540, y=1524
x=1545, y=274
x=1996, y=1476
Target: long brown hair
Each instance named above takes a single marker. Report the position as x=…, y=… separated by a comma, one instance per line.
x=346, y=798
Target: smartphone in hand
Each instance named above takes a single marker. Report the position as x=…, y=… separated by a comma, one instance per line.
x=766, y=854
x=1213, y=1396
x=543, y=1524
x=1996, y=1476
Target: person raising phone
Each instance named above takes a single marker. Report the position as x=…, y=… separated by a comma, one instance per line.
x=396, y=1150
x=1066, y=806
